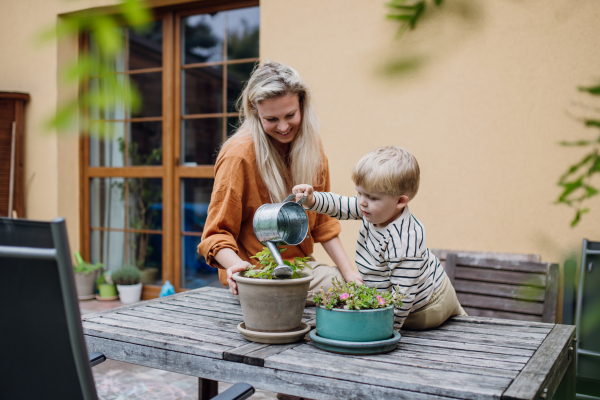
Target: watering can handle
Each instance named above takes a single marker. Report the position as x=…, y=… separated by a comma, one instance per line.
x=292, y=197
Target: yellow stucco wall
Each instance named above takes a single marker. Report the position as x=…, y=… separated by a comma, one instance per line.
x=482, y=113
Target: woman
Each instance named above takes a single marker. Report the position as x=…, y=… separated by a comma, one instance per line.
x=276, y=147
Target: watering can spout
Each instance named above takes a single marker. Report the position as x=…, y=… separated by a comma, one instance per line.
x=284, y=223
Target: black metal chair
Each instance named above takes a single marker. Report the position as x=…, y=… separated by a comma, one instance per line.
x=587, y=321
x=43, y=347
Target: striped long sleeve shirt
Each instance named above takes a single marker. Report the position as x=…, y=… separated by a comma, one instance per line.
x=396, y=254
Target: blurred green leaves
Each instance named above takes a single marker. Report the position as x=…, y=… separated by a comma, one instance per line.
x=576, y=182
x=408, y=12
x=106, y=31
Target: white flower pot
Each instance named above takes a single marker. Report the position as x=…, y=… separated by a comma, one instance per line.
x=130, y=293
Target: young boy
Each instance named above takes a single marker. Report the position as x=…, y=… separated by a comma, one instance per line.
x=391, y=248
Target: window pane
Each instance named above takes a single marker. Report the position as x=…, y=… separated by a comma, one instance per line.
x=112, y=63
x=144, y=200
x=237, y=76
x=196, y=194
x=195, y=200
x=149, y=87
x=201, y=139
x=107, y=203
x=145, y=146
x=202, y=38
x=202, y=90
x=116, y=249
x=145, y=46
x=232, y=124
x=196, y=272
x=106, y=144
x=113, y=88
x=243, y=33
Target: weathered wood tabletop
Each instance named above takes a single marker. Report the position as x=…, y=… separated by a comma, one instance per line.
x=195, y=333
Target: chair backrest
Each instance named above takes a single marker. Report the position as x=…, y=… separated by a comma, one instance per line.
x=523, y=290
x=441, y=254
x=43, y=348
x=587, y=314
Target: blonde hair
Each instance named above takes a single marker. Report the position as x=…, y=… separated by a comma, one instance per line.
x=391, y=170
x=270, y=81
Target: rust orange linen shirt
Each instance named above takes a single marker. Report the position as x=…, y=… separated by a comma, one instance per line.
x=237, y=193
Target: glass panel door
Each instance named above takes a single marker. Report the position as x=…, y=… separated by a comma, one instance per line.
x=218, y=53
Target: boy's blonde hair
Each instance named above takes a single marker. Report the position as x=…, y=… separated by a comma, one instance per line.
x=391, y=170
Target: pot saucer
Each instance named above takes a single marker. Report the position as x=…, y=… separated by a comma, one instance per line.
x=274, y=337
x=107, y=298
x=343, y=347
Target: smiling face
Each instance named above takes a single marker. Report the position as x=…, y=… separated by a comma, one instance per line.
x=380, y=208
x=281, y=117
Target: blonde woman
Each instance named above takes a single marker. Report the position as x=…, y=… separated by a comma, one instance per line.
x=276, y=147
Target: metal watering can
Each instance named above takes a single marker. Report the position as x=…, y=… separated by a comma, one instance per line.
x=281, y=223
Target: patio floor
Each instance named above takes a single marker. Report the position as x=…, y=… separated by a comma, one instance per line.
x=117, y=380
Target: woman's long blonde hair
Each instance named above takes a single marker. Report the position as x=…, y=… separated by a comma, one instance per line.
x=270, y=81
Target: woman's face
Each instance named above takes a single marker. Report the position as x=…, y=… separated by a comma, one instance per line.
x=281, y=117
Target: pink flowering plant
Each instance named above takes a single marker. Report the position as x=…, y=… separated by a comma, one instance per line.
x=353, y=296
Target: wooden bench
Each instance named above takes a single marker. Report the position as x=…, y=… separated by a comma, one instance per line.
x=441, y=254
x=523, y=290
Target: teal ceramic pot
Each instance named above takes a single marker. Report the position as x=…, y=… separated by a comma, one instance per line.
x=355, y=325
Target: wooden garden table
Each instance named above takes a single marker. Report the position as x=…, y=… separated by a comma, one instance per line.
x=194, y=333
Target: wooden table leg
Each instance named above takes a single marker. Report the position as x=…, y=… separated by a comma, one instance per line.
x=207, y=389
x=566, y=388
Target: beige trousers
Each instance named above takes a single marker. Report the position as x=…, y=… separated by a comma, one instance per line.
x=442, y=305
x=323, y=274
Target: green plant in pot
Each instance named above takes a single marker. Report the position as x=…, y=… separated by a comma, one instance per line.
x=356, y=313
x=128, y=281
x=106, y=287
x=85, y=275
x=273, y=305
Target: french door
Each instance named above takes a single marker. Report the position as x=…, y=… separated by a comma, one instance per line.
x=147, y=174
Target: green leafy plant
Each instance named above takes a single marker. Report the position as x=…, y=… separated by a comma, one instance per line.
x=576, y=182
x=127, y=275
x=352, y=296
x=104, y=279
x=409, y=12
x=109, y=42
x=85, y=267
x=268, y=263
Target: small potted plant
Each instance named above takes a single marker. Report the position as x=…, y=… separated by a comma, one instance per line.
x=356, y=313
x=273, y=305
x=85, y=275
x=106, y=287
x=128, y=281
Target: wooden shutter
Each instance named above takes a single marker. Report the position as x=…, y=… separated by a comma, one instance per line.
x=11, y=111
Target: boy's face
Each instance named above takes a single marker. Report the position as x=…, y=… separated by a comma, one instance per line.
x=379, y=208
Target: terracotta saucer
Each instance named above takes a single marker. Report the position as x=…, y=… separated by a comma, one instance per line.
x=274, y=337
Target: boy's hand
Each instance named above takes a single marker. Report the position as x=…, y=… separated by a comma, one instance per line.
x=304, y=190
x=354, y=276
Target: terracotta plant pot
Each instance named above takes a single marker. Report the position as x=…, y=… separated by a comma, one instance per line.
x=273, y=305
x=85, y=285
x=130, y=293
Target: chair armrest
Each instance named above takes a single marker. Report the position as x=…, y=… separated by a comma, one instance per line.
x=239, y=391
x=96, y=358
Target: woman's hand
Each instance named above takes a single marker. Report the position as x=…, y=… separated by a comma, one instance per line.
x=304, y=190
x=354, y=276
x=241, y=266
